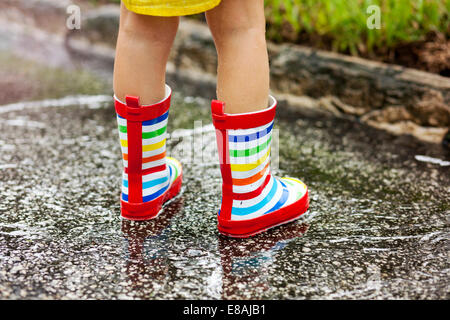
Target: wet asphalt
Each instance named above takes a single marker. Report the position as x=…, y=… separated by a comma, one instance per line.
x=377, y=228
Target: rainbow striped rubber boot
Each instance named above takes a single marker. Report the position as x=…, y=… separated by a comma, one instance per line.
x=252, y=199
x=150, y=178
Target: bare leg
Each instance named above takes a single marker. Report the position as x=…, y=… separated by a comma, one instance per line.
x=143, y=47
x=238, y=29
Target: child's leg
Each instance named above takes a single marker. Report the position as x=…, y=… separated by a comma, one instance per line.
x=143, y=48
x=238, y=28
x=149, y=178
x=253, y=200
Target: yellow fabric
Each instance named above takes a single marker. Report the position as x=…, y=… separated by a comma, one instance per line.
x=168, y=8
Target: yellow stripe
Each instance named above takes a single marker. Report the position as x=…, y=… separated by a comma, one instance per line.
x=124, y=143
x=154, y=146
x=249, y=166
x=296, y=180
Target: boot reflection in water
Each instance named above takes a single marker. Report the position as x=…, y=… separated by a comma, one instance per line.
x=148, y=262
x=245, y=261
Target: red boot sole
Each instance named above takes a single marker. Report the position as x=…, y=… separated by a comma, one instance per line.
x=151, y=209
x=251, y=227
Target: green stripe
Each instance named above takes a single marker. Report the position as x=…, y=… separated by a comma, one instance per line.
x=149, y=135
x=176, y=170
x=251, y=151
x=146, y=135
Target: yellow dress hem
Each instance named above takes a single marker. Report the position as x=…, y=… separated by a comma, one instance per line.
x=170, y=11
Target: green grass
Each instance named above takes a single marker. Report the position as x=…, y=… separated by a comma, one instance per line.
x=342, y=24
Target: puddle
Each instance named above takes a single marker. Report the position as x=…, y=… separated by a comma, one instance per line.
x=377, y=227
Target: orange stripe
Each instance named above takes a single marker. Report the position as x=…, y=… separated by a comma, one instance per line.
x=154, y=158
x=256, y=177
x=125, y=156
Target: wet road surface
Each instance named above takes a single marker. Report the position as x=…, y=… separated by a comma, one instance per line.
x=377, y=226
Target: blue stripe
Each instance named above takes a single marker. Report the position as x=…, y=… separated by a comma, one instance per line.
x=156, y=120
x=250, y=137
x=149, y=184
x=120, y=117
x=266, y=200
x=125, y=183
x=283, y=198
x=155, y=195
x=124, y=197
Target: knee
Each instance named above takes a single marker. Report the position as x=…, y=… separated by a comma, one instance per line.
x=248, y=30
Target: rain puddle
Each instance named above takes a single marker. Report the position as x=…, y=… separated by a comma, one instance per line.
x=377, y=227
